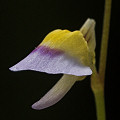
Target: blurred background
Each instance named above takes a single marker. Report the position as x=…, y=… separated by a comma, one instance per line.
x=23, y=25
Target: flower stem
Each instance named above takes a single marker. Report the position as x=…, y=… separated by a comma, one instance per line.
x=104, y=41
x=97, y=78
x=98, y=91
x=100, y=105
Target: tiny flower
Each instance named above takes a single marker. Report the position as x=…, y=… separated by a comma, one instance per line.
x=66, y=52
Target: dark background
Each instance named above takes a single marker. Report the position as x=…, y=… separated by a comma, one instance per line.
x=23, y=25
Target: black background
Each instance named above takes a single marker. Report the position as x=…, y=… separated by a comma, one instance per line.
x=23, y=25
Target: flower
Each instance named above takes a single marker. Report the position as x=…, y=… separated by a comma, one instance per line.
x=66, y=52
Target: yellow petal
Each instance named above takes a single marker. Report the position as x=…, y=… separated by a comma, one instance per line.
x=73, y=43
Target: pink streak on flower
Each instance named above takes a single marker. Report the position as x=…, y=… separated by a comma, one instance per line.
x=43, y=50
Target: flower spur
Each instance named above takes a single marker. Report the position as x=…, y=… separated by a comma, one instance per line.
x=62, y=51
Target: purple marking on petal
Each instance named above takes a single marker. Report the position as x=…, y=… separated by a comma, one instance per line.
x=43, y=50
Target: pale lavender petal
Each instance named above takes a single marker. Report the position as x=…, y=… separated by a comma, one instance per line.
x=56, y=93
x=52, y=61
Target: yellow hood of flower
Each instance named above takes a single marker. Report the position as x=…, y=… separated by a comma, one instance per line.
x=73, y=43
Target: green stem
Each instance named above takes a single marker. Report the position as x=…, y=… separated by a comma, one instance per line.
x=97, y=79
x=104, y=41
x=98, y=91
x=100, y=105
